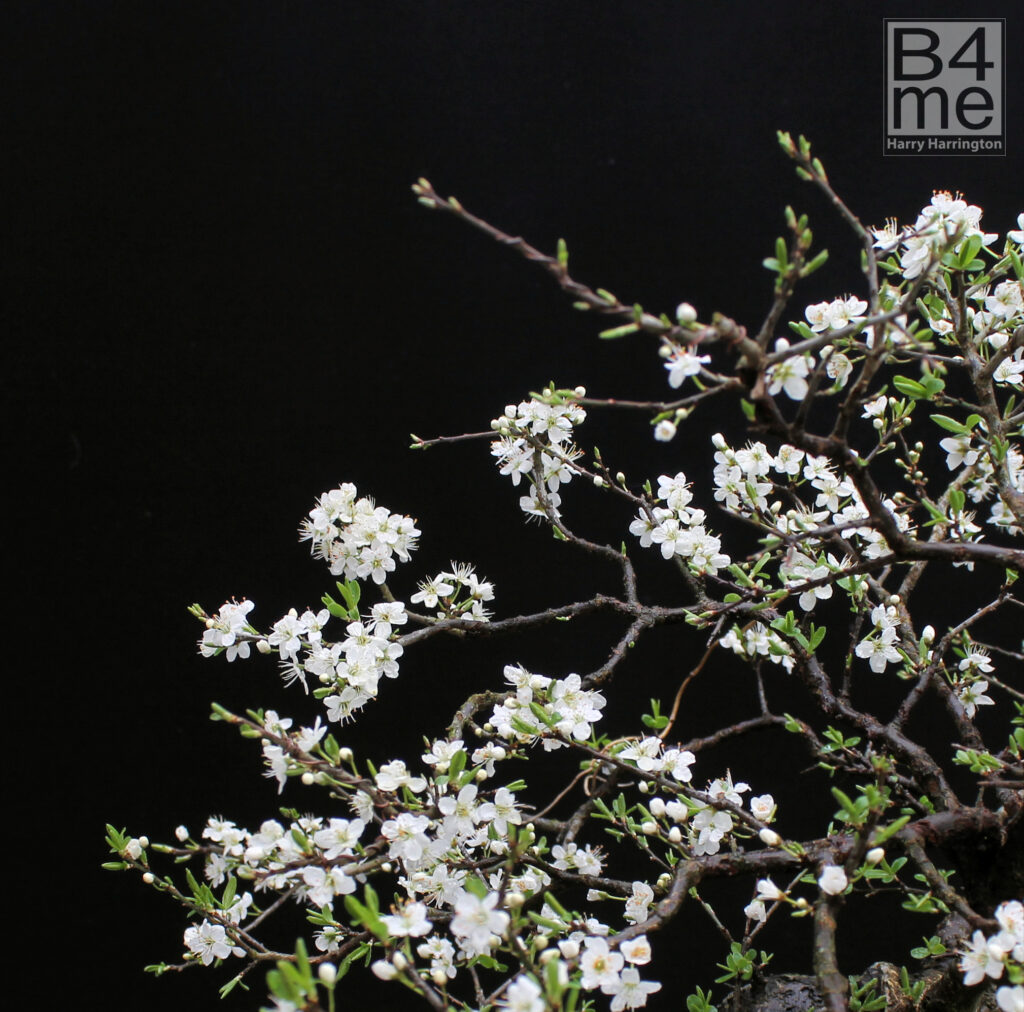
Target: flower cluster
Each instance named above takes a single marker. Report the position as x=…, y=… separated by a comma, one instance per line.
x=986, y=958
x=879, y=648
x=545, y=709
x=677, y=529
x=536, y=442
x=357, y=538
x=456, y=593
x=226, y=629
x=310, y=856
x=350, y=668
x=699, y=823
x=946, y=221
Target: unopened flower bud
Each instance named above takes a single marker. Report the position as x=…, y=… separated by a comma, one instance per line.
x=547, y=955
x=620, y=478
x=399, y=962
x=514, y=900
x=263, y=647
x=928, y=634
x=649, y=828
x=875, y=856
x=580, y=391
x=657, y=807
x=181, y=833
x=643, y=787
x=149, y=878
x=664, y=880
x=665, y=431
x=685, y=313
x=675, y=834
x=386, y=867
x=143, y=841
x=439, y=977
x=327, y=972
x=769, y=837
x=308, y=779
x=384, y=970
x=568, y=948
x=894, y=599
x=802, y=904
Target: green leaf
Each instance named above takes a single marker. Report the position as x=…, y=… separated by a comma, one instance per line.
x=909, y=387
x=614, y=332
x=802, y=330
x=846, y=803
x=950, y=424
x=781, y=253
x=815, y=264
x=232, y=984
x=333, y=607
x=881, y=835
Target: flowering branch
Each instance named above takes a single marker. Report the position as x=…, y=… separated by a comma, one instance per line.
x=474, y=883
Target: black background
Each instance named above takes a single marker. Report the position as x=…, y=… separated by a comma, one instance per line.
x=226, y=300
